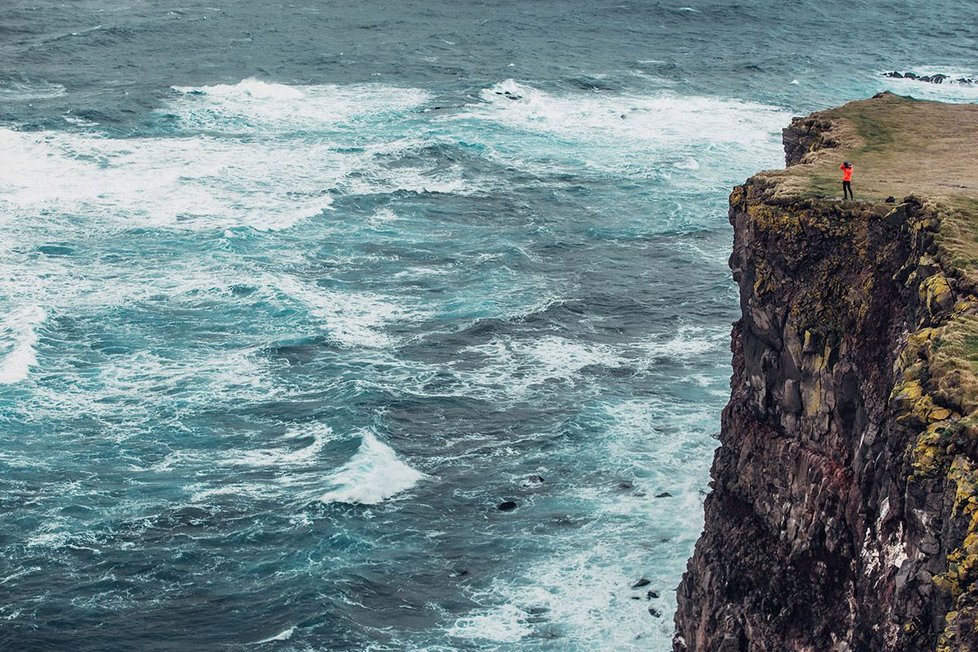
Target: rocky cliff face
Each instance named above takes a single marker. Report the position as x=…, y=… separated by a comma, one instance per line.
x=843, y=512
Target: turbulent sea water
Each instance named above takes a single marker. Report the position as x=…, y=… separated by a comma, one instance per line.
x=292, y=295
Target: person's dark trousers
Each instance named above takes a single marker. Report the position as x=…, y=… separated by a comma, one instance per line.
x=847, y=190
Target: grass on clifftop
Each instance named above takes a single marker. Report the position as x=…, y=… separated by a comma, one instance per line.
x=898, y=146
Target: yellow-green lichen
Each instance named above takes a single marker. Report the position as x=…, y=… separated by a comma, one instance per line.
x=936, y=294
x=962, y=563
x=934, y=400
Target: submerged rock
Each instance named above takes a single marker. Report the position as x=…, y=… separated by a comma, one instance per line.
x=507, y=506
x=642, y=582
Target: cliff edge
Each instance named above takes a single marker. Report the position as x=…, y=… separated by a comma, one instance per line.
x=844, y=510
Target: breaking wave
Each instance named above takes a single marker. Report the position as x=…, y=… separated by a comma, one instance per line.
x=373, y=474
x=18, y=336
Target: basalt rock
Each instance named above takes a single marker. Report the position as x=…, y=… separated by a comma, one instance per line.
x=938, y=78
x=844, y=505
x=807, y=135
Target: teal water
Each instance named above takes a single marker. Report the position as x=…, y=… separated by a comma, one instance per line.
x=292, y=296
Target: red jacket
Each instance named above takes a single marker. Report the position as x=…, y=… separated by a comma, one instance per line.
x=846, y=172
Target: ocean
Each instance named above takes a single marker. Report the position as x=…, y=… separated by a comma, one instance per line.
x=293, y=296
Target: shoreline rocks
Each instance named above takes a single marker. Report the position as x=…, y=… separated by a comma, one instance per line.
x=938, y=78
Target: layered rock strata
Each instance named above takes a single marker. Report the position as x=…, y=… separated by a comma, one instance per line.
x=843, y=513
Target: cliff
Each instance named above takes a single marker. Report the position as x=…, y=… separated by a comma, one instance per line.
x=844, y=509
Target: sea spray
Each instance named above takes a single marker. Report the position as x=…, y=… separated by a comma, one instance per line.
x=372, y=475
x=18, y=336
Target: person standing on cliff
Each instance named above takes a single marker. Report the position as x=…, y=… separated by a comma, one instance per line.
x=846, y=168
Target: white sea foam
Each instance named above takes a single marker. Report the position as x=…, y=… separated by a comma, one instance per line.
x=57, y=532
x=685, y=345
x=353, y=319
x=284, y=456
x=148, y=385
x=635, y=439
x=203, y=493
x=516, y=369
x=560, y=358
x=255, y=106
x=305, y=147
x=372, y=475
x=20, y=91
x=196, y=182
x=181, y=183
x=504, y=624
x=633, y=134
x=582, y=592
x=383, y=216
x=18, y=336
x=248, y=89
x=281, y=636
x=195, y=378
x=78, y=122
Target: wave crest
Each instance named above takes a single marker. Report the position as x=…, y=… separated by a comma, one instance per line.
x=17, y=339
x=372, y=475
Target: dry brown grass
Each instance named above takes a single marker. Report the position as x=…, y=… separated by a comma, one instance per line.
x=898, y=146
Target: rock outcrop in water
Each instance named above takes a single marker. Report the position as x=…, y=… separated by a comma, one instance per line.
x=938, y=78
x=844, y=510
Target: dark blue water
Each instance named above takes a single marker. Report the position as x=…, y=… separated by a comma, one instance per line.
x=293, y=295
